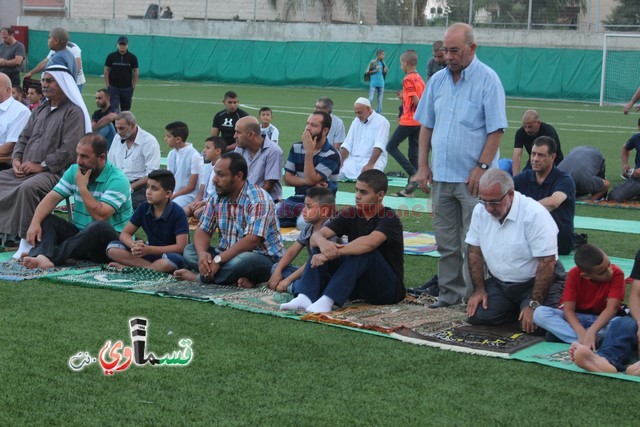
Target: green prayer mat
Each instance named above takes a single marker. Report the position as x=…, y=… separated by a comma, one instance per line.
x=625, y=264
x=16, y=272
x=557, y=355
x=606, y=224
x=108, y=277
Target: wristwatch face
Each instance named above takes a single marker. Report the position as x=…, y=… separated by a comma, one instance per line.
x=483, y=166
x=217, y=259
x=534, y=304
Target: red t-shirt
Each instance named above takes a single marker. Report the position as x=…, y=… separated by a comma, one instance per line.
x=591, y=297
x=412, y=84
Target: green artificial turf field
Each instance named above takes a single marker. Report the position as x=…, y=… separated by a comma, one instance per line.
x=260, y=370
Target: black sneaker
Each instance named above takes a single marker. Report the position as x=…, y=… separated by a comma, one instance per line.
x=430, y=287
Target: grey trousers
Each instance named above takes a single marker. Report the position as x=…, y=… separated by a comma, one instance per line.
x=506, y=300
x=452, y=208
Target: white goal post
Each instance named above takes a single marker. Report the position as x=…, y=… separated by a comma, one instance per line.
x=620, y=68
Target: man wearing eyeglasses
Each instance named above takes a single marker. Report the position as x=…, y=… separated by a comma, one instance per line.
x=463, y=117
x=515, y=237
x=45, y=148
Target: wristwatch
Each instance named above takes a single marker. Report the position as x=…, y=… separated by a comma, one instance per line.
x=534, y=304
x=217, y=259
x=44, y=165
x=483, y=166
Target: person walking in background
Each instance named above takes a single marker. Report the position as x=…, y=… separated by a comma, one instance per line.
x=377, y=71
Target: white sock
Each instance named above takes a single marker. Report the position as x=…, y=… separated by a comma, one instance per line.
x=323, y=305
x=25, y=247
x=301, y=302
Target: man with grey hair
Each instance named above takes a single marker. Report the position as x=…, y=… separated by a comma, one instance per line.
x=336, y=133
x=515, y=237
x=365, y=145
x=263, y=157
x=463, y=117
x=45, y=148
x=136, y=153
x=13, y=118
x=12, y=54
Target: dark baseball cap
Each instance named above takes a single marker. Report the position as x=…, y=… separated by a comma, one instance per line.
x=123, y=40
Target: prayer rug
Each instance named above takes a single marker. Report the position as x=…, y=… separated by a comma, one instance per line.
x=630, y=204
x=289, y=234
x=188, y=290
x=625, y=264
x=557, y=356
x=257, y=300
x=496, y=341
x=16, y=272
x=607, y=224
x=108, y=277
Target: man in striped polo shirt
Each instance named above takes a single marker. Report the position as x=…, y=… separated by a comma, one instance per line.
x=102, y=208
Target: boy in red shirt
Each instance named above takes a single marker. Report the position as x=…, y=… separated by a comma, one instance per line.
x=591, y=298
x=412, y=88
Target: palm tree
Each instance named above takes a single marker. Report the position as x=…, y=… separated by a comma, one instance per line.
x=290, y=7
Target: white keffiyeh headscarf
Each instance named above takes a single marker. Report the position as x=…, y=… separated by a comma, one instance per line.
x=68, y=85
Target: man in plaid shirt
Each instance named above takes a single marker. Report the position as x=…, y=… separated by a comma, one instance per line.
x=249, y=236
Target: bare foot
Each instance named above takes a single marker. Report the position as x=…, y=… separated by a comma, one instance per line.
x=40, y=261
x=588, y=360
x=184, y=274
x=243, y=282
x=117, y=265
x=634, y=369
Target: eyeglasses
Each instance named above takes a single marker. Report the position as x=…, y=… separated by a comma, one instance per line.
x=493, y=202
x=47, y=80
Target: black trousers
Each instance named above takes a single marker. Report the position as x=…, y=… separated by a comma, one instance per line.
x=62, y=240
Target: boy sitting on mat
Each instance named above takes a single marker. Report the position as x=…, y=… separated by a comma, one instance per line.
x=591, y=298
x=369, y=267
x=620, y=343
x=165, y=224
x=319, y=207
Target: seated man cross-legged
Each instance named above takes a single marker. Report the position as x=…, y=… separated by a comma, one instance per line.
x=369, y=267
x=245, y=217
x=102, y=208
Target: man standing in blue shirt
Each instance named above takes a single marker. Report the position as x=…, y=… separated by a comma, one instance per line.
x=553, y=188
x=377, y=73
x=463, y=117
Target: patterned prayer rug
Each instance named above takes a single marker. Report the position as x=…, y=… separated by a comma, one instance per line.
x=108, y=277
x=14, y=271
x=419, y=243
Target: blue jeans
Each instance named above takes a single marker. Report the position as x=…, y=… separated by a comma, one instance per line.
x=400, y=134
x=288, y=271
x=368, y=276
x=553, y=320
x=108, y=132
x=253, y=266
x=621, y=342
x=372, y=94
x=121, y=98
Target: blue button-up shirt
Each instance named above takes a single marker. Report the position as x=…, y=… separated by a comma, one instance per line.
x=461, y=116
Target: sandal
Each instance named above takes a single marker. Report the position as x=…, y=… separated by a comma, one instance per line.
x=408, y=190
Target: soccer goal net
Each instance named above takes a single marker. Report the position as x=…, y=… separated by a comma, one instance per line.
x=620, y=68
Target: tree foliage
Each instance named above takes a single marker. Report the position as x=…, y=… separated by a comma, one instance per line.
x=627, y=12
x=517, y=11
x=291, y=8
x=399, y=12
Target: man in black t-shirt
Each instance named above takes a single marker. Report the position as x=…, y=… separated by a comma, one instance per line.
x=224, y=122
x=369, y=267
x=121, y=75
x=103, y=119
x=532, y=128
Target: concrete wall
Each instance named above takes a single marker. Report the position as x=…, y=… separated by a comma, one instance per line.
x=275, y=31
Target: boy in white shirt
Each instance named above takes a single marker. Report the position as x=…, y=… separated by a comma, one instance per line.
x=184, y=161
x=267, y=130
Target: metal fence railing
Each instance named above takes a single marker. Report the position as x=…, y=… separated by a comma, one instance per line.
x=575, y=15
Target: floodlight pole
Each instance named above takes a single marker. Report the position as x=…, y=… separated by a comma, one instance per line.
x=529, y=18
x=470, y=12
x=114, y=9
x=206, y=10
x=413, y=12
